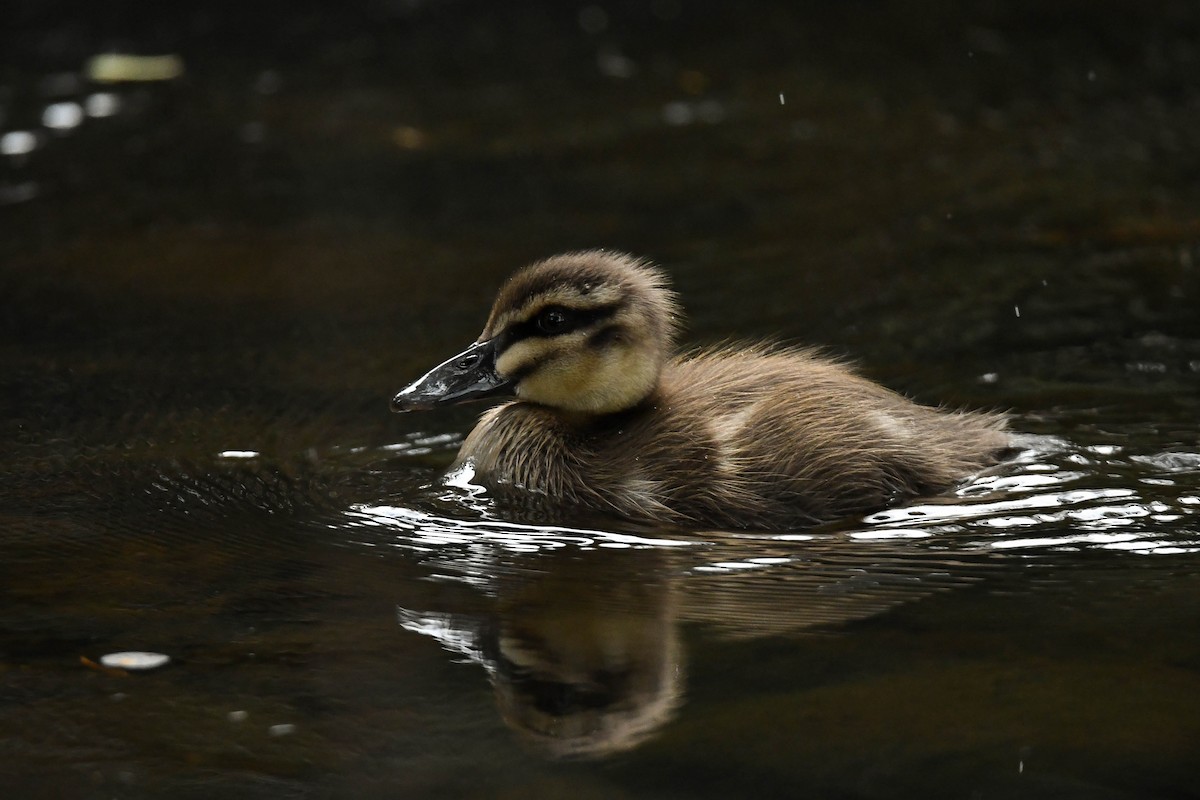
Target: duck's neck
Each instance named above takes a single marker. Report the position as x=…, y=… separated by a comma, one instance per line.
x=584, y=421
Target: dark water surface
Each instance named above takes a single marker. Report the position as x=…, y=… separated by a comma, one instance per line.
x=213, y=283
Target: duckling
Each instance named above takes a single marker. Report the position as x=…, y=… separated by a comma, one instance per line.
x=606, y=415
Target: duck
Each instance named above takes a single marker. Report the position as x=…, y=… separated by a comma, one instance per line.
x=604, y=413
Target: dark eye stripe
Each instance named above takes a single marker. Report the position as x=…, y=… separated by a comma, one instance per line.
x=576, y=318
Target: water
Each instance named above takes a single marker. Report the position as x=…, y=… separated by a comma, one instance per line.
x=214, y=283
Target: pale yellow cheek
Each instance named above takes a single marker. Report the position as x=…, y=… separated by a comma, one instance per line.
x=562, y=383
x=625, y=379
x=597, y=383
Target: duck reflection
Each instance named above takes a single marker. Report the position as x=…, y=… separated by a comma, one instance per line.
x=583, y=644
x=583, y=665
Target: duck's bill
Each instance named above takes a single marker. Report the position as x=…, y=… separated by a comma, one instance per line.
x=470, y=375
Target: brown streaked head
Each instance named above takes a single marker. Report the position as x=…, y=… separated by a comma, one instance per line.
x=585, y=332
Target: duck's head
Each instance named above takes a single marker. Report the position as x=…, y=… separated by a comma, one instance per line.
x=584, y=332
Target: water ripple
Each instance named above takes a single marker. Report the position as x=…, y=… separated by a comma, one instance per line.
x=422, y=530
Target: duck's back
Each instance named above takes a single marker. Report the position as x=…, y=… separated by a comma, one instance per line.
x=797, y=436
x=741, y=438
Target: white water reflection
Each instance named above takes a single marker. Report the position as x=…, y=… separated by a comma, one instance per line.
x=62, y=116
x=1112, y=541
x=1057, y=501
x=418, y=529
x=1171, y=462
x=17, y=143
x=994, y=513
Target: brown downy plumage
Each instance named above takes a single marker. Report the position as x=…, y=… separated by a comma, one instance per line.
x=607, y=416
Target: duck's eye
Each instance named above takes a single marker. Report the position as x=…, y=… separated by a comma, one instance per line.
x=554, y=320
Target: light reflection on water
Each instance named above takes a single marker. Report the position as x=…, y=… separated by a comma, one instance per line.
x=1045, y=491
x=428, y=531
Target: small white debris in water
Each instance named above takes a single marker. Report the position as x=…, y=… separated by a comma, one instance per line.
x=239, y=454
x=17, y=143
x=238, y=716
x=135, y=660
x=62, y=116
x=283, y=729
x=989, y=377
x=781, y=98
x=1017, y=311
